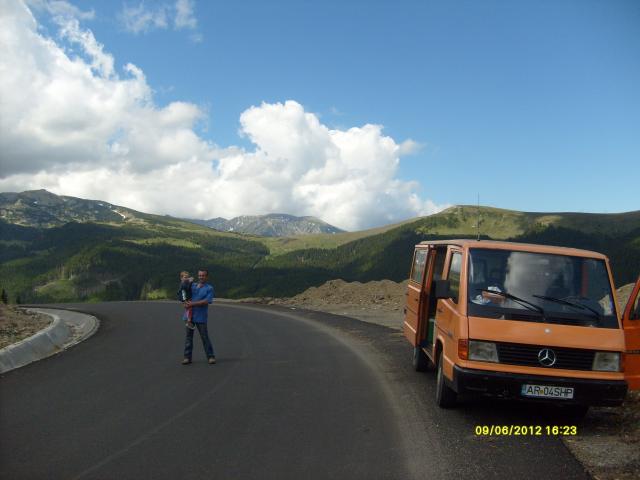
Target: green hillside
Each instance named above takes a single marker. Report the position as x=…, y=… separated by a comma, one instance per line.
x=87, y=261
x=388, y=255
x=506, y=224
x=139, y=257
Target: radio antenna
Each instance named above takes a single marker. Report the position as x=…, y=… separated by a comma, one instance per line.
x=478, y=222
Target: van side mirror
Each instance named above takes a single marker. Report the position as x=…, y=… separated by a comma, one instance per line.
x=443, y=289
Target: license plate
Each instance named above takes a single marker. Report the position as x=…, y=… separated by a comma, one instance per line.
x=547, y=391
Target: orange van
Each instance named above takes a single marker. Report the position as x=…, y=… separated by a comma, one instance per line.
x=528, y=322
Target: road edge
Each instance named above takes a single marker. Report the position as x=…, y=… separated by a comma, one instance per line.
x=68, y=329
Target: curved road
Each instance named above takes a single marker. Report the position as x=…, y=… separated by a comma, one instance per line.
x=293, y=395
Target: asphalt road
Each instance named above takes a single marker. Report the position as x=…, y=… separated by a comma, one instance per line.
x=294, y=395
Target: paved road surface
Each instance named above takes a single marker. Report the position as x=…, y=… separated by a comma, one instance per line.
x=294, y=395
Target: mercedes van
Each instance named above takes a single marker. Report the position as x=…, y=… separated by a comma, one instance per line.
x=529, y=322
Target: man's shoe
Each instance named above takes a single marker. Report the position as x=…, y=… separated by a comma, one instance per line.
x=186, y=361
x=212, y=360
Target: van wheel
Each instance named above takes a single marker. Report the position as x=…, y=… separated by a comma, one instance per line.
x=420, y=360
x=445, y=396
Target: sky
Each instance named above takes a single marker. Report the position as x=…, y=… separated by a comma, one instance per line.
x=361, y=113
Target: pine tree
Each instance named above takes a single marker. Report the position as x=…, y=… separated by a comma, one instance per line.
x=4, y=297
x=18, y=301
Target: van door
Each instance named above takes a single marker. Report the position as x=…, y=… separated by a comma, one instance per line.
x=447, y=316
x=631, y=325
x=414, y=295
x=435, y=266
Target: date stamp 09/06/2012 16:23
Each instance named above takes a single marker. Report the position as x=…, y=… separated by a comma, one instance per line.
x=525, y=430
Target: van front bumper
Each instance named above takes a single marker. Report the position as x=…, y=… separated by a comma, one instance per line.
x=509, y=385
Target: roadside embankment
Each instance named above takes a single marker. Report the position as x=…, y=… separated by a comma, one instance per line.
x=62, y=329
x=18, y=323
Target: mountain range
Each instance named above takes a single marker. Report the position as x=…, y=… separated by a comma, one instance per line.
x=55, y=249
x=43, y=209
x=270, y=225
x=40, y=208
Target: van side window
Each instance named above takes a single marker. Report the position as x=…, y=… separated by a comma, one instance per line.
x=438, y=267
x=454, y=275
x=419, y=262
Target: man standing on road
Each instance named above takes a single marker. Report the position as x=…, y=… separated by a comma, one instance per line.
x=201, y=297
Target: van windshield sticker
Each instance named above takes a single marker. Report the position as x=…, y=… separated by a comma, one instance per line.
x=521, y=301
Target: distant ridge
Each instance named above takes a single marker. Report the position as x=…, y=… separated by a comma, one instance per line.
x=41, y=208
x=270, y=225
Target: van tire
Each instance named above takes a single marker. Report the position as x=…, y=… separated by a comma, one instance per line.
x=420, y=360
x=445, y=396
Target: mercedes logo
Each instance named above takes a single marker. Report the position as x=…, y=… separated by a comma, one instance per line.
x=547, y=357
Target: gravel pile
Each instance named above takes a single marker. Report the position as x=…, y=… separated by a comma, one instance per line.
x=381, y=293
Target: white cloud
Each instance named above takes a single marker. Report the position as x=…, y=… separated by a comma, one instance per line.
x=61, y=8
x=77, y=125
x=409, y=147
x=142, y=19
x=100, y=61
x=185, y=17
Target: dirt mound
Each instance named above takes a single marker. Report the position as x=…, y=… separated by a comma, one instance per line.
x=379, y=301
x=383, y=293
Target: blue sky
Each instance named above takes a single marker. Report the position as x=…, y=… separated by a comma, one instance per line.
x=533, y=105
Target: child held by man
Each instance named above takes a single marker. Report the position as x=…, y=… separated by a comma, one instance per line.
x=184, y=294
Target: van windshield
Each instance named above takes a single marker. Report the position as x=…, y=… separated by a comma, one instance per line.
x=540, y=287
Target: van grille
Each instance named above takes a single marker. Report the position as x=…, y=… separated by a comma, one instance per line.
x=527, y=355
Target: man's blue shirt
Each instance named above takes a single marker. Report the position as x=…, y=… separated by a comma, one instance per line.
x=201, y=313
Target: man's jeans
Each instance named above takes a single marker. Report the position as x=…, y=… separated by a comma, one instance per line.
x=204, y=335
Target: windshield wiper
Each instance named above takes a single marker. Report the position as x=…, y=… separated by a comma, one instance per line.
x=571, y=304
x=521, y=301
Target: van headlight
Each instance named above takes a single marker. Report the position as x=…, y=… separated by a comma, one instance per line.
x=483, y=351
x=606, y=362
